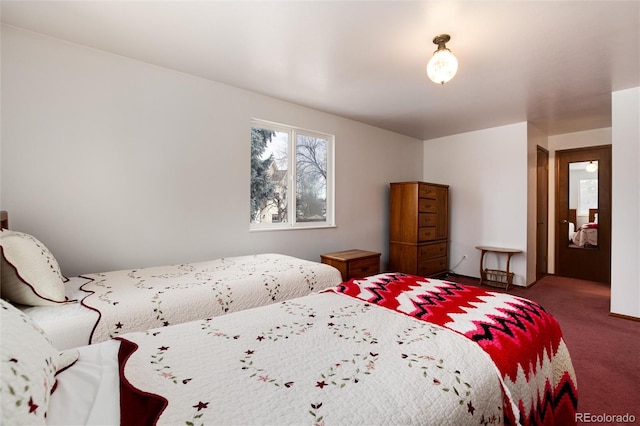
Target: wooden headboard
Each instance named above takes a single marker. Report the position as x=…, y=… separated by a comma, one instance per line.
x=592, y=215
x=573, y=217
x=4, y=220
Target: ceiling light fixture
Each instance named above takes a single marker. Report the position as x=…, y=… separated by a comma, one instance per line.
x=443, y=65
x=592, y=167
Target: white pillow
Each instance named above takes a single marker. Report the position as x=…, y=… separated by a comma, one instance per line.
x=30, y=274
x=29, y=363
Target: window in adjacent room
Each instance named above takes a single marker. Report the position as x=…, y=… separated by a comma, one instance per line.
x=588, y=196
x=291, y=177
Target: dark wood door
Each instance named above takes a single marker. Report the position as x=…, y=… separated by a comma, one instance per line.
x=583, y=258
x=542, y=213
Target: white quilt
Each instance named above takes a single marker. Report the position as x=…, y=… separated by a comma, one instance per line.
x=140, y=299
x=364, y=365
x=68, y=325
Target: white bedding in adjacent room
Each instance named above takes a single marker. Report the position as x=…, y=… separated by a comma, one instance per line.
x=586, y=235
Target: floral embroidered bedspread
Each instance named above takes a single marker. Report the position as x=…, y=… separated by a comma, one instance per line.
x=324, y=359
x=140, y=299
x=524, y=341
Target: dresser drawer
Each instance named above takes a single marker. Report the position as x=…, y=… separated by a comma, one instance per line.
x=432, y=266
x=425, y=191
x=426, y=205
x=426, y=233
x=432, y=250
x=427, y=219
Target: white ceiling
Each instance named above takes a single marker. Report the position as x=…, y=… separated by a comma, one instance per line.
x=552, y=63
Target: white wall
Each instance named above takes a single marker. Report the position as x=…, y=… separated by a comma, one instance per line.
x=560, y=142
x=486, y=171
x=114, y=163
x=625, y=197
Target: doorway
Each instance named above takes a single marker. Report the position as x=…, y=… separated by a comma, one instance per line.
x=583, y=213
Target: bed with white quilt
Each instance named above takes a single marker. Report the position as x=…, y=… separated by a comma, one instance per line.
x=387, y=349
x=586, y=236
x=93, y=308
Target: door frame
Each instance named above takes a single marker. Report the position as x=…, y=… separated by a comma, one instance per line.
x=587, y=264
x=542, y=212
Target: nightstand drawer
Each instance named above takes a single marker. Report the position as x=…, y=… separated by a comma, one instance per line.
x=353, y=263
x=364, y=267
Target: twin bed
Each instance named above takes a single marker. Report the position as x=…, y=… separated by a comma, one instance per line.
x=388, y=349
x=117, y=302
x=96, y=307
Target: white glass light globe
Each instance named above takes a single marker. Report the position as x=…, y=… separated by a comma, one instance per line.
x=442, y=66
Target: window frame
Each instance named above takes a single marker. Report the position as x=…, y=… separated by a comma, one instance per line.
x=292, y=222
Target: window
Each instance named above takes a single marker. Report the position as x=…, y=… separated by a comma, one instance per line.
x=588, y=196
x=291, y=177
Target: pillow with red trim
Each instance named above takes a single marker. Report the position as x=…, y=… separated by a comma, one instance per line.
x=29, y=275
x=29, y=363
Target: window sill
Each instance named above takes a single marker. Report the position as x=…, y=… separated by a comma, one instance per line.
x=290, y=228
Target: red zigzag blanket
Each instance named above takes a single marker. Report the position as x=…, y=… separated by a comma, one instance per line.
x=524, y=341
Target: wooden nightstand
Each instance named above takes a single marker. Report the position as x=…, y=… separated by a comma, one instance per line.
x=353, y=263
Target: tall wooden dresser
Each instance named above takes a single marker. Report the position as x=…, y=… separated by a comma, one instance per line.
x=419, y=228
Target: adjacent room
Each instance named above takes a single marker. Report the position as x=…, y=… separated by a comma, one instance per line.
x=275, y=184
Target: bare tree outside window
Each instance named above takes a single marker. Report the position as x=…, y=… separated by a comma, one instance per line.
x=311, y=178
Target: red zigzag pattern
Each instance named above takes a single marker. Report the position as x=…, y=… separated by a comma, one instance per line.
x=517, y=334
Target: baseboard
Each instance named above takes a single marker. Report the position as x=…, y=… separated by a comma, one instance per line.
x=536, y=281
x=525, y=286
x=454, y=274
x=626, y=317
